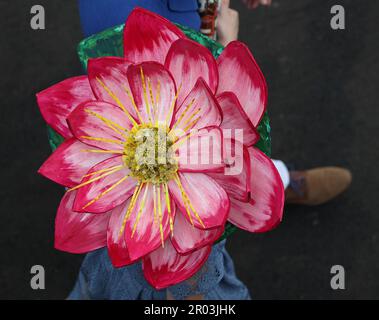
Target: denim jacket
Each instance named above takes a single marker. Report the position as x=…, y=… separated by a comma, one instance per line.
x=98, y=15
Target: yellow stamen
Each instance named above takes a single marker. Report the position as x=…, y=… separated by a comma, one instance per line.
x=155, y=203
x=102, y=139
x=111, y=124
x=145, y=95
x=160, y=215
x=191, y=116
x=189, y=202
x=130, y=207
x=103, y=151
x=184, y=201
x=157, y=97
x=171, y=110
x=180, y=141
x=183, y=114
x=134, y=200
x=116, y=99
x=133, y=104
x=169, y=209
x=142, y=206
x=153, y=103
x=105, y=192
x=102, y=170
x=192, y=124
x=151, y=94
x=195, y=212
x=93, y=179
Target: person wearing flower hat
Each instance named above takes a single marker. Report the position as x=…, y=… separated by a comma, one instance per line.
x=305, y=187
x=98, y=279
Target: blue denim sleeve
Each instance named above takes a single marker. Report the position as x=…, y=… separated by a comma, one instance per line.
x=81, y=290
x=98, y=15
x=216, y=280
x=98, y=279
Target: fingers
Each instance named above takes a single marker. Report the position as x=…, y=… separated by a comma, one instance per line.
x=225, y=4
x=227, y=26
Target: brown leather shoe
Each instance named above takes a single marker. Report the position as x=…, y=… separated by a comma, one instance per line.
x=317, y=186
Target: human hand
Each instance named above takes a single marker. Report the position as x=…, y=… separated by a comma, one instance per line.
x=252, y=4
x=227, y=23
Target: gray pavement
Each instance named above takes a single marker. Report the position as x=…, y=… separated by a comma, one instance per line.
x=323, y=88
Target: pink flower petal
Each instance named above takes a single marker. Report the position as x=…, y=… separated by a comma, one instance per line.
x=265, y=209
x=188, y=61
x=100, y=124
x=240, y=74
x=236, y=178
x=165, y=267
x=147, y=235
x=68, y=164
x=154, y=91
x=107, y=76
x=187, y=238
x=207, y=198
x=111, y=189
x=57, y=102
x=235, y=118
x=201, y=151
x=198, y=110
x=148, y=36
x=79, y=232
x=117, y=250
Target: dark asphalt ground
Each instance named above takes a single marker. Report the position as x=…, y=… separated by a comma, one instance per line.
x=323, y=88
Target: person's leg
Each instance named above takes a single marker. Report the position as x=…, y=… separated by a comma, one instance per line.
x=315, y=186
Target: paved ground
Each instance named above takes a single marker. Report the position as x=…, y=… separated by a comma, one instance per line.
x=323, y=105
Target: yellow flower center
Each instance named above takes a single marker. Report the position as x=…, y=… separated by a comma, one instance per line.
x=149, y=155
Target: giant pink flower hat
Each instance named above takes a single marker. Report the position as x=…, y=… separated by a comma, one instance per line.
x=168, y=213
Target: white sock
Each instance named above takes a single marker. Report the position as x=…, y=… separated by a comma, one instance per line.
x=283, y=171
